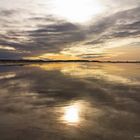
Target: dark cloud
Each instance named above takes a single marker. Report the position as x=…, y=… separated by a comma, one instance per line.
x=58, y=35
x=119, y=25
x=8, y=13
x=92, y=55
x=49, y=38
x=7, y=54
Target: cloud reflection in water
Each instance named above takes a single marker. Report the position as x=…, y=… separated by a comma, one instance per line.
x=116, y=73
x=77, y=101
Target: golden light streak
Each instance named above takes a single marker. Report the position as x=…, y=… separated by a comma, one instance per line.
x=7, y=76
x=7, y=48
x=53, y=56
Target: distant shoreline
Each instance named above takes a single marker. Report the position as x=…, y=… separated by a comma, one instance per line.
x=63, y=61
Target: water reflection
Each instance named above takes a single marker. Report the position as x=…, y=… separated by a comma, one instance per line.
x=7, y=75
x=72, y=114
x=72, y=101
x=116, y=73
x=76, y=113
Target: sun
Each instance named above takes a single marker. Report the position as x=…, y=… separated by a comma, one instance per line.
x=76, y=10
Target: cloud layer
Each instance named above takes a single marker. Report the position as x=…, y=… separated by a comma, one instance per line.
x=33, y=31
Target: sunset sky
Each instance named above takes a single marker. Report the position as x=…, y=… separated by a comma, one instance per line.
x=70, y=29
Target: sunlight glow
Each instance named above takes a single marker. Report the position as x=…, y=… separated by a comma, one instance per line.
x=77, y=10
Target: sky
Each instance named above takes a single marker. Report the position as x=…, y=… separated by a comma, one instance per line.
x=70, y=29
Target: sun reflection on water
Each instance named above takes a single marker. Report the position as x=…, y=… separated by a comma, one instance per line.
x=72, y=114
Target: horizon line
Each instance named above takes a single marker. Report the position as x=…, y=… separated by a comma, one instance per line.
x=82, y=60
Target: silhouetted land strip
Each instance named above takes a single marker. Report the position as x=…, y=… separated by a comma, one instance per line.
x=3, y=61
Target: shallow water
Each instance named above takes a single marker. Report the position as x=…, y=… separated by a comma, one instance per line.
x=70, y=101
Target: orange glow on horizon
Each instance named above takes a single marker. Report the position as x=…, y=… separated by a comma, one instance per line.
x=53, y=56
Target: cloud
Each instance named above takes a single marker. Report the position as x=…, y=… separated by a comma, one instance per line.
x=121, y=24
x=36, y=34
x=119, y=29
x=8, y=13
x=7, y=48
x=53, y=37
